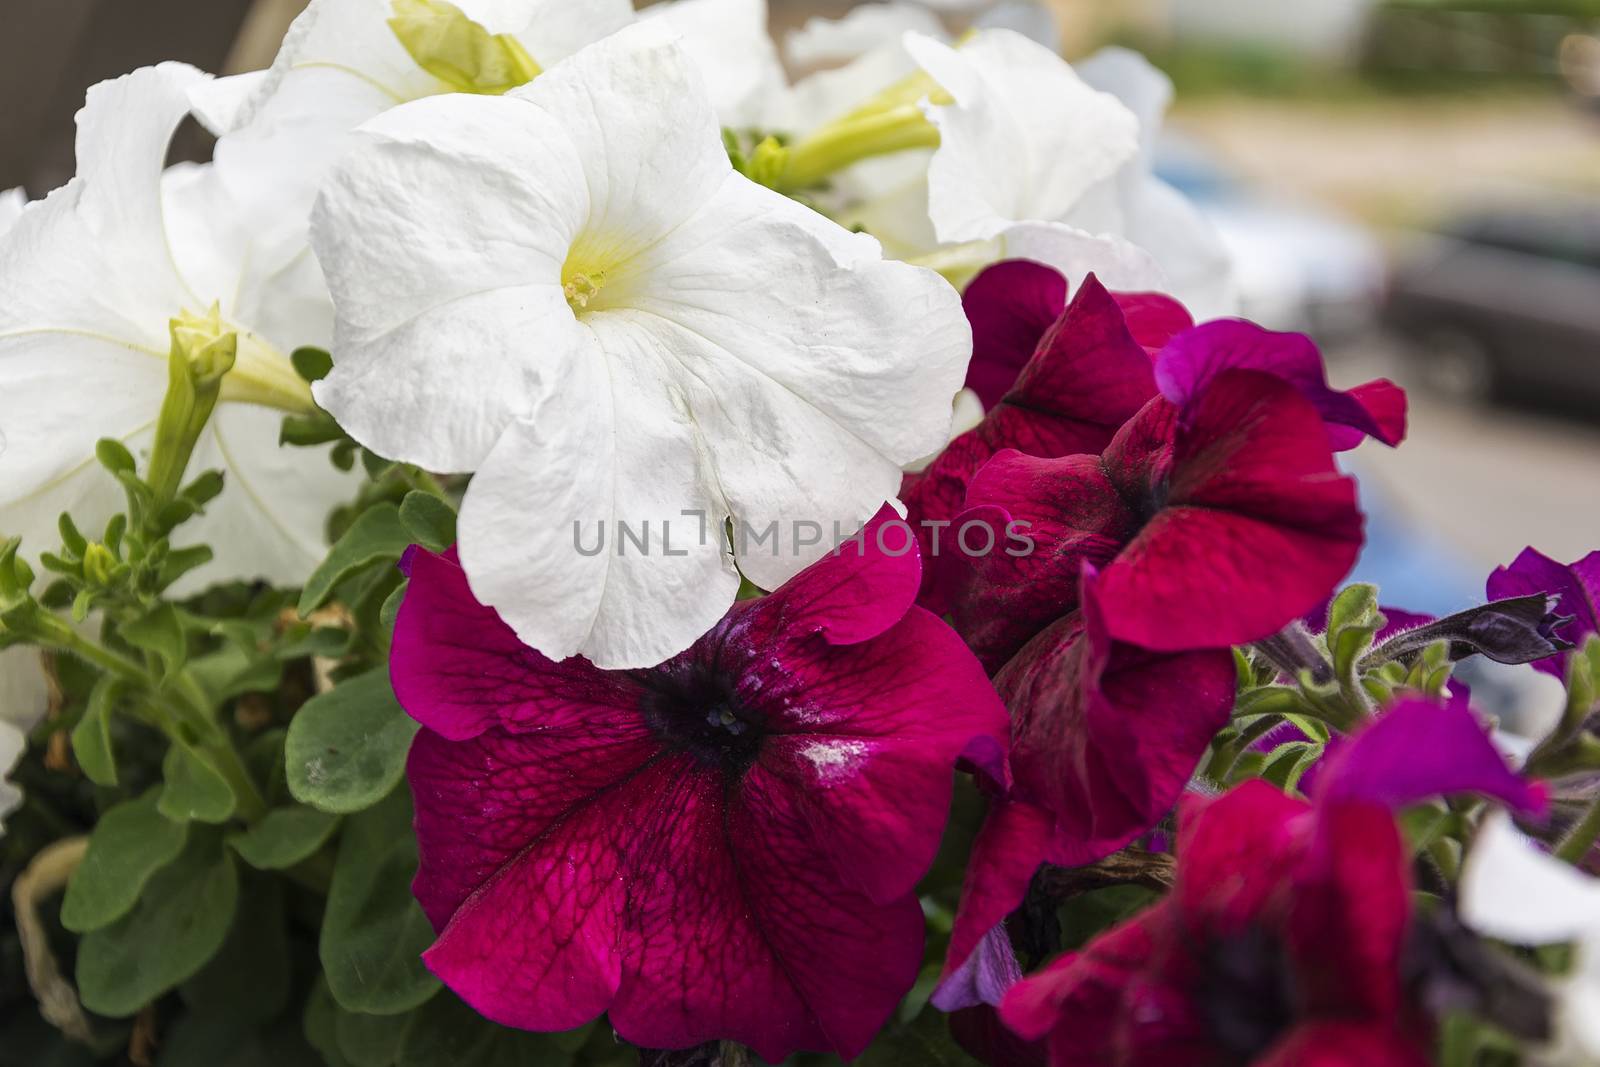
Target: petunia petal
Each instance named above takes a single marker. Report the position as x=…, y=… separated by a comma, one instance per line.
x=728, y=41
x=1514, y=891
x=1235, y=853
x=1010, y=306
x=1015, y=102
x=1258, y=525
x=1418, y=749
x=747, y=936
x=1012, y=842
x=1577, y=584
x=1339, y=1044
x=546, y=524
x=1193, y=360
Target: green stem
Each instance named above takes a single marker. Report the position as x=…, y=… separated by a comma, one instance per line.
x=838, y=145
x=1581, y=838
x=251, y=806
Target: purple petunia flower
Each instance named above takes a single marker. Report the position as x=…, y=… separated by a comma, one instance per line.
x=723, y=846
x=1577, y=584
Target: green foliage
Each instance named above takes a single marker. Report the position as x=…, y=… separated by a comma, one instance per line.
x=377, y=536
x=284, y=837
x=430, y=521
x=131, y=843
x=196, y=788
x=91, y=738
x=373, y=933
x=347, y=747
x=179, y=922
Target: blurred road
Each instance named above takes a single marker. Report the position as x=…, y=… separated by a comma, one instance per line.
x=1486, y=481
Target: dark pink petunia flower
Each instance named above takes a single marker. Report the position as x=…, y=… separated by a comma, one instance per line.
x=1281, y=943
x=724, y=846
x=1015, y=303
x=1105, y=736
x=1211, y=531
x=1193, y=359
x=1085, y=374
x=1577, y=584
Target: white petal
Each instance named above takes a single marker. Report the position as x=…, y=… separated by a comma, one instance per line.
x=551, y=30
x=222, y=104
x=1118, y=263
x=1175, y=233
x=823, y=41
x=1135, y=81
x=813, y=382
x=1024, y=140
x=270, y=521
x=617, y=445
x=1512, y=891
x=442, y=237
x=728, y=42
x=12, y=201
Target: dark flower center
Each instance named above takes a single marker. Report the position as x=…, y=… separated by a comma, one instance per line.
x=694, y=708
x=1246, y=992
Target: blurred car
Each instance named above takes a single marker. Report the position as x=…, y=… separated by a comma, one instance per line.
x=1505, y=304
x=1297, y=266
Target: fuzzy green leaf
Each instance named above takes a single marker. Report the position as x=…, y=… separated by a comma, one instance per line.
x=181, y=920
x=91, y=738
x=284, y=837
x=377, y=535
x=430, y=521
x=131, y=842
x=373, y=932
x=195, y=788
x=347, y=747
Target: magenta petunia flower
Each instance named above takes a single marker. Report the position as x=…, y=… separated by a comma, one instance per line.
x=1211, y=531
x=1083, y=375
x=724, y=846
x=1105, y=736
x=1577, y=584
x=1281, y=943
x=1193, y=359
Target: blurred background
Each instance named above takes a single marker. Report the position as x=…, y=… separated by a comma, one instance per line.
x=1416, y=183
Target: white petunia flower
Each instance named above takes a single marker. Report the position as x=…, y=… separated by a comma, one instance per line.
x=569, y=290
x=93, y=275
x=1512, y=891
x=824, y=41
x=346, y=61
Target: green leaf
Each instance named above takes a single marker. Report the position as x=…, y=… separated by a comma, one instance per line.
x=447, y=1033
x=312, y=364
x=161, y=632
x=91, y=738
x=321, y=1022
x=1289, y=762
x=391, y=607
x=369, y=1040
x=378, y=534
x=248, y=980
x=284, y=837
x=181, y=920
x=373, y=932
x=131, y=842
x=233, y=670
x=306, y=430
x=347, y=747
x=195, y=788
x=329, y=641
x=430, y=521
x=923, y=1042
x=74, y=541
x=114, y=455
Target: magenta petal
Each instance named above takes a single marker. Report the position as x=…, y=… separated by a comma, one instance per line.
x=854, y=593
x=1577, y=584
x=510, y=915
x=1086, y=378
x=868, y=742
x=458, y=670
x=1008, y=850
x=1071, y=512
x=1105, y=735
x=1418, y=749
x=745, y=934
x=1193, y=360
x=1154, y=319
x=1010, y=306
x=1257, y=527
